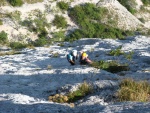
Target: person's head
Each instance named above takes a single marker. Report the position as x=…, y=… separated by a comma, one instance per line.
x=84, y=54
x=74, y=53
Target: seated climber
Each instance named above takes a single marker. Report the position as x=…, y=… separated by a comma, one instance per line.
x=84, y=59
x=72, y=56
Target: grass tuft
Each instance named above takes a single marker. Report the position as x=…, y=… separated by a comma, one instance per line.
x=131, y=90
x=111, y=66
x=83, y=90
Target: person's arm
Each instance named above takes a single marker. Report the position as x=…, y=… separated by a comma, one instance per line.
x=88, y=60
x=71, y=61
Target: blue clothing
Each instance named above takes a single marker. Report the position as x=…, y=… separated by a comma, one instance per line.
x=69, y=57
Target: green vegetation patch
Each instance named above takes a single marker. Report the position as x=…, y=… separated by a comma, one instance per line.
x=17, y=45
x=110, y=66
x=40, y=42
x=131, y=90
x=90, y=22
x=83, y=90
x=3, y=37
x=63, y=5
x=1, y=22
x=129, y=4
x=59, y=21
x=16, y=2
x=58, y=36
x=146, y=2
x=116, y=52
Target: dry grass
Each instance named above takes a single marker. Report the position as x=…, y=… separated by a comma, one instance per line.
x=131, y=90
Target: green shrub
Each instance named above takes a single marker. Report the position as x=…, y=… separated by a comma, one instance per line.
x=63, y=5
x=148, y=32
x=90, y=25
x=3, y=37
x=60, y=22
x=131, y=90
x=116, y=52
x=1, y=22
x=58, y=36
x=129, y=55
x=42, y=33
x=129, y=4
x=75, y=35
x=88, y=12
x=16, y=2
x=146, y=2
x=111, y=66
x=40, y=42
x=17, y=45
x=142, y=20
x=83, y=90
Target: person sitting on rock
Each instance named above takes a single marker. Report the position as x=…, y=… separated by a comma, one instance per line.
x=84, y=59
x=72, y=56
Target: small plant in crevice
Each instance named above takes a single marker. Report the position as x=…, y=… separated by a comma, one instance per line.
x=131, y=90
x=55, y=55
x=110, y=66
x=129, y=55
x=49, y=67
x=83, y=90
x=116, y=52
